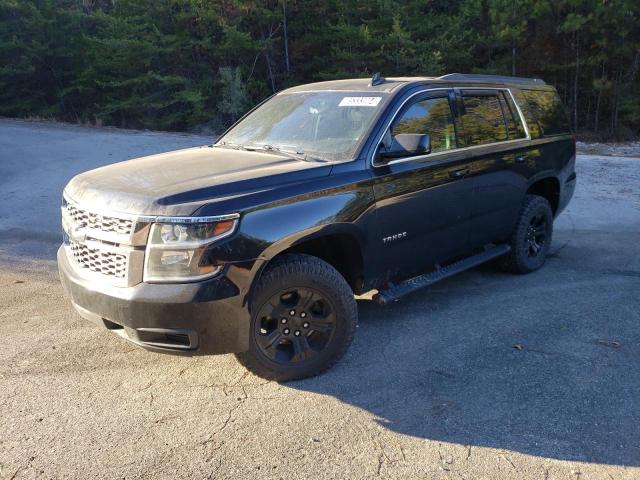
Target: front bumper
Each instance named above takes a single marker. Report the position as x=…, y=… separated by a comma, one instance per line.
x=208, y=317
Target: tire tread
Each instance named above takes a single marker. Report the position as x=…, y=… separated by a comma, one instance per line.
x=513, y=261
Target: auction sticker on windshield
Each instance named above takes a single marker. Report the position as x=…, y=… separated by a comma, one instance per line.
x=359, y=101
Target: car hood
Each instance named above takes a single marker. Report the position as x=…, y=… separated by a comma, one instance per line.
x=179, y=182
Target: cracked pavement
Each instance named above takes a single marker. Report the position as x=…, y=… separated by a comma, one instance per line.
x=485, y=375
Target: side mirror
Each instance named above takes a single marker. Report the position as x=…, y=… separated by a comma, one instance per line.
x=407, y=145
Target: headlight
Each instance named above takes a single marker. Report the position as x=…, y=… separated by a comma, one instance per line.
x=176, y=247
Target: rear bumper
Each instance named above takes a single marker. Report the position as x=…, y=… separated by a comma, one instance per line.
x=566, y=192
x=193, y=318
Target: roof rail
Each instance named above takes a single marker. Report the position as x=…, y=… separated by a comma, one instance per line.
x=464, y=77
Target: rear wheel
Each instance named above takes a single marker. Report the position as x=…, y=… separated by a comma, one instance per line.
x=531, y=238
x=303, y=319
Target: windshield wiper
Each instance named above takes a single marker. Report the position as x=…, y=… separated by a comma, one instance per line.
x=297, y=154
x=234, y=146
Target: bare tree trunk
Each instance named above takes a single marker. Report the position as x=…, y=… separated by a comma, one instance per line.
x=565, y=94
x=267, y=54
x=253, y=66
x=596, y=120
x=575, y=83
x=617, y=105
x=286, y=37
x=271, y=79
x=622, y=84
x=513, y=42
x=614, y=105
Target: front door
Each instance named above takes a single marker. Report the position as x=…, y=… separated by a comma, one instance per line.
x=423, y=202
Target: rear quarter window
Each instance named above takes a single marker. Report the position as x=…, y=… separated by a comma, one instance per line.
x=545, y=113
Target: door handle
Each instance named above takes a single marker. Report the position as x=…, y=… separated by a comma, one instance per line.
x=459, y=173
x=520, y=158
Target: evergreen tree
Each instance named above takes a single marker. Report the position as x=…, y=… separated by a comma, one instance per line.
x=182, y=64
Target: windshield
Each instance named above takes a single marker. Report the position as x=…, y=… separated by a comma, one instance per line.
x=323, y=125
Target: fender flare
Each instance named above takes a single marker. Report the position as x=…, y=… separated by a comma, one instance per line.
x=542, y=176
x=298, y=238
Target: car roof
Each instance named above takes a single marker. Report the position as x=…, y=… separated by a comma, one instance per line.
x=352, y=84
x=388, y=85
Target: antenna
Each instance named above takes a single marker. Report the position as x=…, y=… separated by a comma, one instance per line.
x=377, y=79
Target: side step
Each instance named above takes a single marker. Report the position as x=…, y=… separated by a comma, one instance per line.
x=395, y=292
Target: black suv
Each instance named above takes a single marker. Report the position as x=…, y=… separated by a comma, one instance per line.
x=257, y=244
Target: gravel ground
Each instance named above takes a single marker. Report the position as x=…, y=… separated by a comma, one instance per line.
x=627, y=149
x=485, y=375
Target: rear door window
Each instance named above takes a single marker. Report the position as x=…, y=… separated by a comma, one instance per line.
x=431, y=116
x=515, y=128
x=481, y=119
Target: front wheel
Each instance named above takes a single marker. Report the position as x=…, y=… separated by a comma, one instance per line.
x=531, y=238
x=303, y=319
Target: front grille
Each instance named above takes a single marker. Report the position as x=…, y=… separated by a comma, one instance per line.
x=94, y=221
x=95, y=260
x=107, y=246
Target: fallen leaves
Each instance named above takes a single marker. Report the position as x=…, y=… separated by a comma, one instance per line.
x=608, y=343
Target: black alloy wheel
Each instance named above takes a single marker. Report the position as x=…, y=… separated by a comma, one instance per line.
x=536, y=234
x=531, y=237
x=294, y=325
x=304, y=317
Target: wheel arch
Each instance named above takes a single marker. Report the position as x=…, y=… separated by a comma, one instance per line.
x=341, y=246
x=547, y=187
x=340, y=250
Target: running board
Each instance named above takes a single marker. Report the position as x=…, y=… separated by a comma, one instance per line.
x=395, y=292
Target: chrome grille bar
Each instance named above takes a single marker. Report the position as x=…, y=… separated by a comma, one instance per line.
x=105, y=247
x=93, y=221
x=99, y=261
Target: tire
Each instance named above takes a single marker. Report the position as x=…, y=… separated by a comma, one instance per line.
x=531, y=238
x=303, y=319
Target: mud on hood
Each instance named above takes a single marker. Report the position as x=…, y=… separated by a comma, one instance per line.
x=179, y=182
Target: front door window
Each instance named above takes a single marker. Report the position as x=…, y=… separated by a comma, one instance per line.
x=431, y=116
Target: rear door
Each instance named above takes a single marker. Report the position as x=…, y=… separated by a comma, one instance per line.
x=423, y=202
x=552, y=147
x=496, y=141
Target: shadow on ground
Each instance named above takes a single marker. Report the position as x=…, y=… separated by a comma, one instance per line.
x=545, y=364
